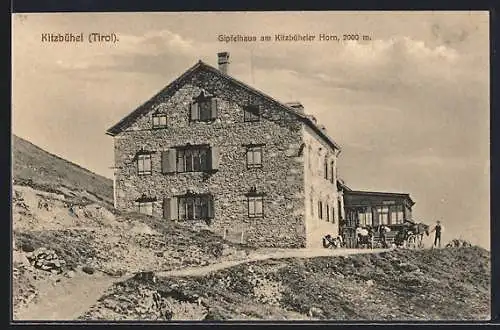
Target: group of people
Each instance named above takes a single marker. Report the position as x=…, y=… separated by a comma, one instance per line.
x=365, y=234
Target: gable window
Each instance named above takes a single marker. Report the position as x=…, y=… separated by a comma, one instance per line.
x=254, y=156
x=204, y=108
x=159, y=120
x=251, y=113
x=195, y=207
x=145, y=204
x=320, y=209
x=143, y=164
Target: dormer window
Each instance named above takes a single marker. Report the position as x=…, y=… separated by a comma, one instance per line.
x=251, y=113
x=204, y=108
x=159, y=120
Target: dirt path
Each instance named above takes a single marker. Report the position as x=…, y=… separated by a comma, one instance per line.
x=260, y=255
x=67, y=299
x=71, y=297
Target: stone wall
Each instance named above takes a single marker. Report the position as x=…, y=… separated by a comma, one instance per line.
x=318, y=188
x=281, y=176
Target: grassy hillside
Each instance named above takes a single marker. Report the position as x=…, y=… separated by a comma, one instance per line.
x=37, y=168
x=443, y=284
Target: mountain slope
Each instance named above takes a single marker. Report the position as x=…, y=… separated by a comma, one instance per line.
x=441, y=284
x=37, y=168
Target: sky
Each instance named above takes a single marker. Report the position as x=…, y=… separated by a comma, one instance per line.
x=410, y=106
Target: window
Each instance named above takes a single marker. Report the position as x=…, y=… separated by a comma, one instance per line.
x=383, y=215
x=326, y=168
x=145, y=208
x=145, y=204
x=312, y=207
x=255, y=206
x=204, y=108
x=397, y=214
x=194, y=159
x=333, y=212
x=365, y=217
x=254, y=156
x=332, y=164
x=320, y=209
x=195, y=207
x=327, y=213
x=159, y=120
x=144, y=164
x=251, y=113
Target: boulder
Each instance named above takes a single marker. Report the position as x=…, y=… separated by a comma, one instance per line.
x=88, y=270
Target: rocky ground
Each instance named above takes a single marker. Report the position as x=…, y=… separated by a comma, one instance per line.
x=57, y=235
x=443, y=284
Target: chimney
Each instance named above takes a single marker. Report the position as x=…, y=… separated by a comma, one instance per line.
x=223, y=61
x=296, y=105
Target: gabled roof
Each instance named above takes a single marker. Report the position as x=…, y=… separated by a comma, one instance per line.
x=173, y=86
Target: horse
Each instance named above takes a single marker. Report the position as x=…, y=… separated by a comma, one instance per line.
x=416, y=232
x=364, y=237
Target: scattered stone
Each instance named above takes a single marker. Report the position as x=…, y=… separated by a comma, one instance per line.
x=70, y=274
x=370, y=283
x=88, y=270
x=27, y=247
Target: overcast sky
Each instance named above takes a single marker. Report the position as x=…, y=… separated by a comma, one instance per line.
x=410, y=107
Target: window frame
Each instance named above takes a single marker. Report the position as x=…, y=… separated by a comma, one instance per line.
x=380, y=213
x=143, y=157
x=253, y=149
x=158, y=116
x=190, y=203
x=144, y=201
x=397, y=209
x=249, y=116
x=193, y=152
x=255, y=198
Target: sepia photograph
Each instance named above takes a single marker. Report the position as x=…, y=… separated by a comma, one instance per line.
x=281, y=165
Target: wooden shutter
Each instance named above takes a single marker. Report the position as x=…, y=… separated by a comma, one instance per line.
x=214, y=158
x=170, y=208
x=194, y=111
x=211, y=207
x=168, y=159
x=214, y=107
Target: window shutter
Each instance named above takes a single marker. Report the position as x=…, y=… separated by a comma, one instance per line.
x=170, y=208
x=194, y=111
x=168, y=158
x=214, y=158
x=211, y=208
x=214, y=107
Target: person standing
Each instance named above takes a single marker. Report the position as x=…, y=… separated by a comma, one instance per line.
x=438, y=229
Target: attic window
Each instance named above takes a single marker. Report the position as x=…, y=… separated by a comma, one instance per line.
x=204, y=108
x=251, y=113
x=159, y=120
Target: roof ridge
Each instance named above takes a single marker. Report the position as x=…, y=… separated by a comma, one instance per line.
x=115, y=129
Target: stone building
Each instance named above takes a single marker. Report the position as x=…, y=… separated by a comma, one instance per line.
x=210, y=149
